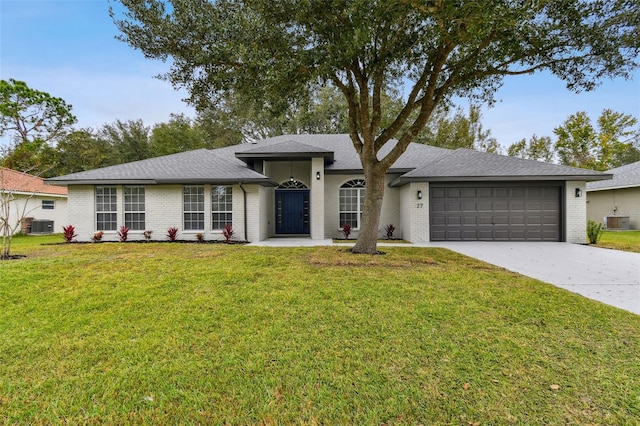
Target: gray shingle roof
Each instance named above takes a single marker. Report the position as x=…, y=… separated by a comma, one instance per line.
x=419, y=162
x=627, y=176
x=199, y=166
x=469, y=165
x=285, y=150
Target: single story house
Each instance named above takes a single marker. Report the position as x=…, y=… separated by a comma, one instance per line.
x=43, y=207
x=616, y=202
x=312, y=185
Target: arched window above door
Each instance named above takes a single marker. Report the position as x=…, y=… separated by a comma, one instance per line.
x=292, y=184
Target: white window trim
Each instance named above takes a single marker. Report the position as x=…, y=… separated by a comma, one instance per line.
x=203, y=211
x=125, y=211
x=228, y=191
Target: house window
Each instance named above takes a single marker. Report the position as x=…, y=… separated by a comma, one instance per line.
x=221, y=206
x=134, y=213
x=193, y=207
x=351, y=203
x=106, y=208
x=48, y=205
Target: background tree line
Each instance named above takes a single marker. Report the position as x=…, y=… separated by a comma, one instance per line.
x=44, y=141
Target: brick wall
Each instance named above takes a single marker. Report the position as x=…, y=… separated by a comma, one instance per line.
x=163, y=210
x=575, y=213
x=81, y=211
x=390, y=207
x=415, y=212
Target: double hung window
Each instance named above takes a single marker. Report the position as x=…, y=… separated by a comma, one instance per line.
x=352, y=203
x=106, y=208
x=221, y=206
x=193, y=208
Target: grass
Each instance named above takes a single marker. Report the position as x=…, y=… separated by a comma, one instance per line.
x=207, y=334
x=621, y=240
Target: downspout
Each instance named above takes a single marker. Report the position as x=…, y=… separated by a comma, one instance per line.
x=244, y=196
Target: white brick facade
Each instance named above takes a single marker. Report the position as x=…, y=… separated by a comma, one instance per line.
x=415, y=212
x=401, y=207
x=575, y=212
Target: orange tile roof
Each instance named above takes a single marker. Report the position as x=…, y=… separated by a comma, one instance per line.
x=22, y=182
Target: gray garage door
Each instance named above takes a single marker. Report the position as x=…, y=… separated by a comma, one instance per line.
x=494, y=213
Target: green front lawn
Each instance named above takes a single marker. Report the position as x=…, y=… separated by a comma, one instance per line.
x=621, y=240
x=165, y=333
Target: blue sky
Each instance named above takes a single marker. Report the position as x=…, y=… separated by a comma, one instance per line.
x=68, y=49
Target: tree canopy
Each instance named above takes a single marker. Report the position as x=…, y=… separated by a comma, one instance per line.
x=32, y=118
x=613, y=143
x=270, y=52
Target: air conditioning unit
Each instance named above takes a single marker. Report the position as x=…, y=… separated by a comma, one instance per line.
x=617, y=222
x=42, y=227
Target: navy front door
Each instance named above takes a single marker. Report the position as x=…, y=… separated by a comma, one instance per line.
x=292, y=211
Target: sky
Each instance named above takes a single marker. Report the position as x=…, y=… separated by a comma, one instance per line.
x=68, y=49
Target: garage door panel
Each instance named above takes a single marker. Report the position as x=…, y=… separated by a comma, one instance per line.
x=501, y=192
x=469, y=192
x=518, y=192
x=484, y=192
x=454, y=207
x=484, y=206
x=495, y=213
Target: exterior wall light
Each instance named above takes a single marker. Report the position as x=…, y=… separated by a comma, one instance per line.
x=317, y=175
x=419, y=195
x=578, y=192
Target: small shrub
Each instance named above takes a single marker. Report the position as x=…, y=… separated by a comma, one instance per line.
x=69, y=233
x=97, y=237
x=199, y=237
x=172, y=233
x=123, y=233
x=227, y=231
x=346, y=230
x=389, y=229
x=147, y=235
x=594, y=231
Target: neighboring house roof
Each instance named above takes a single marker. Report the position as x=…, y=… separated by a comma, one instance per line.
x=19, y=182
x=623, y=177
x=231, y=164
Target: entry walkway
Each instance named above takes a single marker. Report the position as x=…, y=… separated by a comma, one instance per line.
x=609, y=276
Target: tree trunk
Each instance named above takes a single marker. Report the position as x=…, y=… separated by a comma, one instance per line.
x=368, y=236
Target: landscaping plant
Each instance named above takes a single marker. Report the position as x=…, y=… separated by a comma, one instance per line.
x=123, y=233
x=389, y=229
x=346, y=230
x=227, y=231
x=69, y=233
x=97, y=237
x=147, y=235
x=172, y=233
x=594, y=231
x=199, y=237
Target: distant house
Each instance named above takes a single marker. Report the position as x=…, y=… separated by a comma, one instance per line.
x=312, y=185
x=43, y=203
x=616, y=202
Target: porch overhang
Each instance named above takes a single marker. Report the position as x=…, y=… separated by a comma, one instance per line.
x=285, y=151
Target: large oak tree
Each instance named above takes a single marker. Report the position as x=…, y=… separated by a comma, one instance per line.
x=270, y=51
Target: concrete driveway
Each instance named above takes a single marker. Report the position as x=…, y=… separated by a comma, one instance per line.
x=609, y=276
